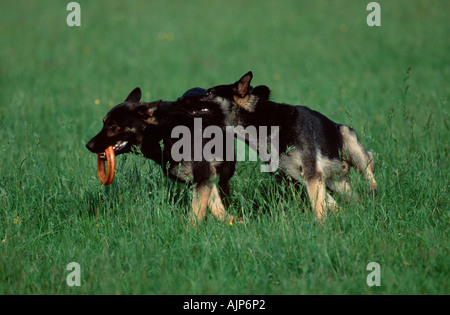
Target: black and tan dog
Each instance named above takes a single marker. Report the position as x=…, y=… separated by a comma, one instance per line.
x=144, y=125
x=312, y=148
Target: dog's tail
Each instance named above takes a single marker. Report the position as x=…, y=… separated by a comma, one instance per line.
x=356, y=155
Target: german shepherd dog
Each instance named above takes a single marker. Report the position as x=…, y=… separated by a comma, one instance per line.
x=313, y=149
x=144, y=125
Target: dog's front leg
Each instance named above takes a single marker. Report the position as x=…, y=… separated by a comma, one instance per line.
x=216, y=204
x=200, y=199
x=218, y=208
x=203, y=178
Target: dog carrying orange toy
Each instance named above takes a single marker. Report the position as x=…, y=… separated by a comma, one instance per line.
x=106, y=177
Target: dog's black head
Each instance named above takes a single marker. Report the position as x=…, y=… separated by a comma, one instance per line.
x=124, y=125
x=239, y=94
x=190, y=104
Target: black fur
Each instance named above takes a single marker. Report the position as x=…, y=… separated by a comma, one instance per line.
x=313, y=148
x=149, y=126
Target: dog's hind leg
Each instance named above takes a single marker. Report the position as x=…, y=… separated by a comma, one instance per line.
x=307, y=170
x=355, y=153
x=316, y=188
x=370, y=176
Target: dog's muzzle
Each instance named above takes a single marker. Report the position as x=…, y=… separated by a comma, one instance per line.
x=117, y=147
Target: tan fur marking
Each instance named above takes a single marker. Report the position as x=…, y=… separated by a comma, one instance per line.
x=373, y=185
x=246, y=102
x=216, y=205
x=317, y=193
x=115, y=133
x=353, y=148
x=151, y=121
x=218, y=209
x=150, y=118
x=369, y=175
x=200, y=200
x=355, y=153
x=128, y=129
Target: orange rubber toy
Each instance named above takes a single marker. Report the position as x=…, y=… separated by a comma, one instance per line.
x=106, y=177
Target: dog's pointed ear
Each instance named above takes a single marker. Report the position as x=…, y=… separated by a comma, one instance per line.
x=134, y=96
x=243, y=85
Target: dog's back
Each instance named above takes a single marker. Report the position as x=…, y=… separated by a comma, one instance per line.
x=314, y=134
x=313, y=148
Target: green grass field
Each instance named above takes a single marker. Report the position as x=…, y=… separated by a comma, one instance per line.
x=390, y=83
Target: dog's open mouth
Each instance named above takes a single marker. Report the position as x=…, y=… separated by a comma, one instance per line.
x=119, y=146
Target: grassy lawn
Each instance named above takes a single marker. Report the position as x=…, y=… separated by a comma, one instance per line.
x=390, y=83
